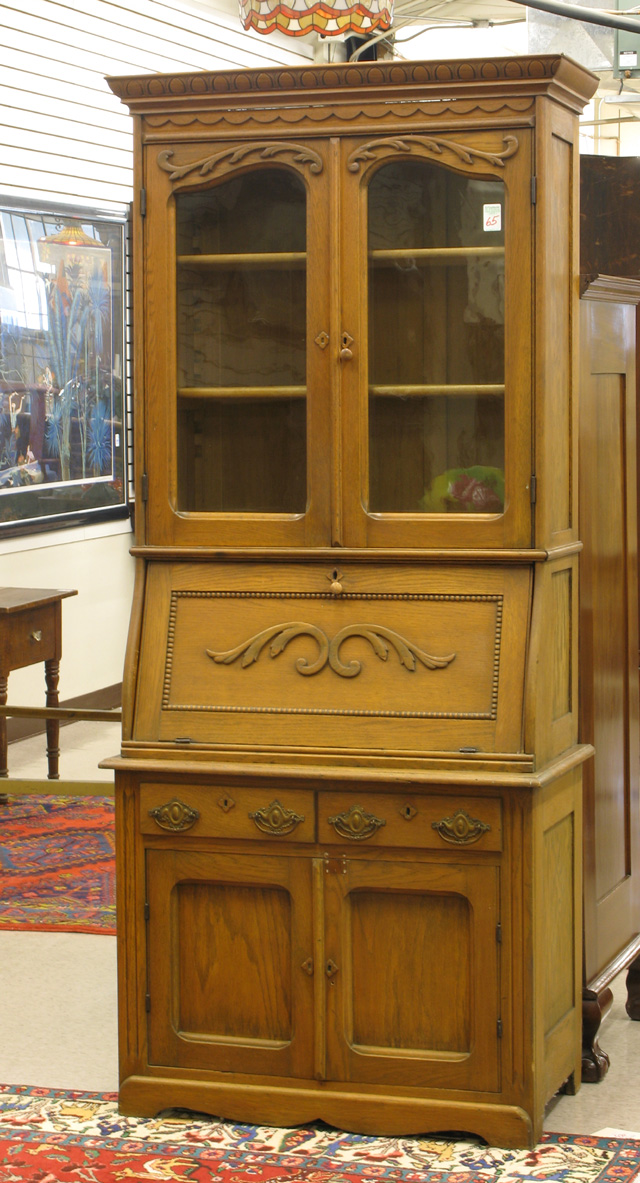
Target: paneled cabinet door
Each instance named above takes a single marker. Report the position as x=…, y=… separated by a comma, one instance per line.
x=412, y=961
x=436, y=390
x=237, y=363
x=229, y=956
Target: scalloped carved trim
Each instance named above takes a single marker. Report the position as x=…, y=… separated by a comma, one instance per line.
x=230, y=156
x=431, y=144
x=345, y=114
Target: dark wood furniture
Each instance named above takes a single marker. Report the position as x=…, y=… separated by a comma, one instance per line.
x=610, y=280
x=349, y=794
x=30, y=632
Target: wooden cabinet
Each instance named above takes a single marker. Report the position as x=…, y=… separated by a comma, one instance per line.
x=349, y=794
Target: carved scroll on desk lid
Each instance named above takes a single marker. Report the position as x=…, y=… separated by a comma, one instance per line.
x=381, y=639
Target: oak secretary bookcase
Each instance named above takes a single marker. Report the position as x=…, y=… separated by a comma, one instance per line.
x=348, y=797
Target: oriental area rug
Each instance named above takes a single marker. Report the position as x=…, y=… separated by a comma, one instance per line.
x=55, y=1136
x=57, y=864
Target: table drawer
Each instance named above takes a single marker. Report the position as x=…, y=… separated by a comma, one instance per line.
x=215, y=811
x=419, y=821
x=30, y=637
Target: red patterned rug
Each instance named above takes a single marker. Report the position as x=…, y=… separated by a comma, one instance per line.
x=54, y=1136
x=57, y=869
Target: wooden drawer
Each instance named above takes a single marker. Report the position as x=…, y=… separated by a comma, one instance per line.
x=422, y=822
x=213, y=811
x=30, y=637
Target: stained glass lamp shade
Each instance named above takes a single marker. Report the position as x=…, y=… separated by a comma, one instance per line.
x=328, y=17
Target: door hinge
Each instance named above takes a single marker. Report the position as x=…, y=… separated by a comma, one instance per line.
x=533, y=486
x=499, y=933
x=534, y=190
x=144, y=487
x=147, y=910
x=143, y=203
x=499, y=1025
x=147, y=1003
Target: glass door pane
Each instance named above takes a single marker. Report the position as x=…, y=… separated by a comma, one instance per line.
x=436, y=341
x=241, y=309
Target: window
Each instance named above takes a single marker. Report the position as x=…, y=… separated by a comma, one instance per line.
x=62, y=367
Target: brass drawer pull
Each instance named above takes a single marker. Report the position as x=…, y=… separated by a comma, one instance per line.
x=276, y=820
x=356, y=824
x=460, y=828
x=175, y=816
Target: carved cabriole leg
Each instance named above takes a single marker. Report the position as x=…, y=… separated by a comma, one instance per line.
x=4, y=771
x=52, y=673
x=633, y=990
x=595, y=1061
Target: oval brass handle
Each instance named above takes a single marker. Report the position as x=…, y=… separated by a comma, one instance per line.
x=356, y=824
x=174, y=816
x=330, y=968
x=275, y=819
x=36, y=635
x=460, y=828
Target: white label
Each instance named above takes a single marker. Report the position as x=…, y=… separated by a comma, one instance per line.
x=628, y=58
x=117, y=439
x=492, y=217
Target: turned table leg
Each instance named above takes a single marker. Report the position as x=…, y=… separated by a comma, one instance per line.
x=4, y=771
x=52, y=674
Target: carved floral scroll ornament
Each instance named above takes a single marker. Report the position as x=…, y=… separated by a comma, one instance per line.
x=380, y=638
x=409, y=144
x=247, y=152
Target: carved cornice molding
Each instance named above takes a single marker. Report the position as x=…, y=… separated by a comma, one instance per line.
x=548, y=73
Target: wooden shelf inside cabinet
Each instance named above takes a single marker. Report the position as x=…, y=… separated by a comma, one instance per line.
x=460, y=390
x=224, y=392
x=437, y=255
x=271, y=260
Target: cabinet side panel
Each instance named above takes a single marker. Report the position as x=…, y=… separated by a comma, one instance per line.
x=551, y=711
x=556, y=333
x=557, y=945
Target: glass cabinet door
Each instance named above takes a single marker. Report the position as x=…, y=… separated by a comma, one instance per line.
x=242, y=390
x=436, y=341
x=241, y=349
x=440, y=330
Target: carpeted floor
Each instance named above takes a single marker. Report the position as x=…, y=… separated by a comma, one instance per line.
x=52, y=1136
x=57, y=869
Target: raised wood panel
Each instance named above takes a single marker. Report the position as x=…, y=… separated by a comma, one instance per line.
x=609, y=627
x=559, y=921
x=386, y=1014
x=418, y=909
x=429, y=657
x=562, y=651
x=226, y=982
x=557, y=332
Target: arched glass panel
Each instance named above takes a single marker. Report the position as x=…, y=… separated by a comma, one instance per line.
x=241, y=308
x=436, y=341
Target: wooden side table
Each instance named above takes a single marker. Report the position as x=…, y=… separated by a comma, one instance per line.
x=31, y=631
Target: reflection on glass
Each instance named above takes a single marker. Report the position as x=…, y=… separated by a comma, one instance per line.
x=436, y=341
x=241, y=288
